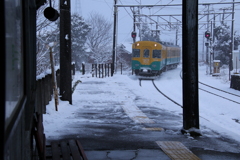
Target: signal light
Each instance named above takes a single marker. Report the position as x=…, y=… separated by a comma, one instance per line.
x=207, y=34
x=134, y=34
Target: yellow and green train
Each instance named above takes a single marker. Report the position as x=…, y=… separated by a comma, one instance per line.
x=151, y=58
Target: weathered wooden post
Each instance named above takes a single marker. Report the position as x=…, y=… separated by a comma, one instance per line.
x=108, y=69
x=99, y=70
x=65, y=51
x=105, y=65
x=54, y=81
x=121, y=68
x=92, y=70
x=96, y=69
x=102, y=70
x=73, y=68
x=83, y=68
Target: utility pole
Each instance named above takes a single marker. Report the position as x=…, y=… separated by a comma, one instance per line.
x=213, y=36
x=114, y=38
x=232, y=41
x=176, y=35
x=203, y=47
x=134, y=24
x=207, y=49
x=210, y=54
x=223, y=16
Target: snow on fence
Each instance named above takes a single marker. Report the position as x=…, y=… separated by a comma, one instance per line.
x=102, y=70
x=45, y=87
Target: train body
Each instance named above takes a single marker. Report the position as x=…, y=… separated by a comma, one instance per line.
x=151, y=58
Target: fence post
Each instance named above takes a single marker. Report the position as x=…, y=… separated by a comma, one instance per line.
x=102, y=70
x=105, y=66
x=92, y=70
x=50, y=87
x=108, y=69
x=111, y=69
x=83, y=68
x=96, y=70
x=73, y=69
x=58, y=78
x=121, y=68
x=38, y=96
x=42, y=96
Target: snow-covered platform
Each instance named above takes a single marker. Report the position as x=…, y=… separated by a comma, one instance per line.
x=115, y=118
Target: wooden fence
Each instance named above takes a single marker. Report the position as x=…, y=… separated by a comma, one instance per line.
x=100, y=70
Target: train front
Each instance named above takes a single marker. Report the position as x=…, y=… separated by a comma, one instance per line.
x=147, y=58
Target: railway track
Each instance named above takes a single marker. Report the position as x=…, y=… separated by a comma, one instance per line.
x=232, y=94
x=165, y=95
x=223, y=94
x=234, y=101
x=220, y=91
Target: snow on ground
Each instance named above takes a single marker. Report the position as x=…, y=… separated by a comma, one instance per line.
x=216, y=114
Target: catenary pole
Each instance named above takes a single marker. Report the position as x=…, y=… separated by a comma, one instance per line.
x=232, y=41
x=114, y=38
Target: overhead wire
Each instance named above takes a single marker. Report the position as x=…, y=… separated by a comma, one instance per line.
x=163, y=7
x=126, y=9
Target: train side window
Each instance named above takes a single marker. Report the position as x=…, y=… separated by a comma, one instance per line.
x=136, y=52
x=146, y=53
x=156, y=54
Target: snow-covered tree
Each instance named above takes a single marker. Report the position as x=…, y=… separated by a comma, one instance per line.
x=124, y=57
x=222, y=44
x=80, y=30
x=147, y=34
x=47, y=32
x=99, y=39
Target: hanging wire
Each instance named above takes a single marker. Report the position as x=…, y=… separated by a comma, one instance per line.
x=50, y=1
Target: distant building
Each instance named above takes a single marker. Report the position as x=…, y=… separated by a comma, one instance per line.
x=236, y=59
x=123, y=56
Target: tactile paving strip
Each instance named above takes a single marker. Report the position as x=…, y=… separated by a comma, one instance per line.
x=153, y=129
x=136, y=114
x=176, y=150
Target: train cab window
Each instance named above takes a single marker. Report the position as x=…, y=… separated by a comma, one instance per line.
x=136, y=52
x=156, y=54
x=146, y=53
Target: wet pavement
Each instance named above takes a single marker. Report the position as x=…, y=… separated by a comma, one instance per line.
x=110, y=133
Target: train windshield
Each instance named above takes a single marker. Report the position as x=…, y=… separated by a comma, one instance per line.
x=156, y=54
x=146, y=53
x=136, y=52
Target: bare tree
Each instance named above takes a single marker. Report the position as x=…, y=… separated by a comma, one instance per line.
x=99, y=38
x=80, y=30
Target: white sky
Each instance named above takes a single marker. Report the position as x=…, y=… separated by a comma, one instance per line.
x=216, y=114
x=125, y=20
